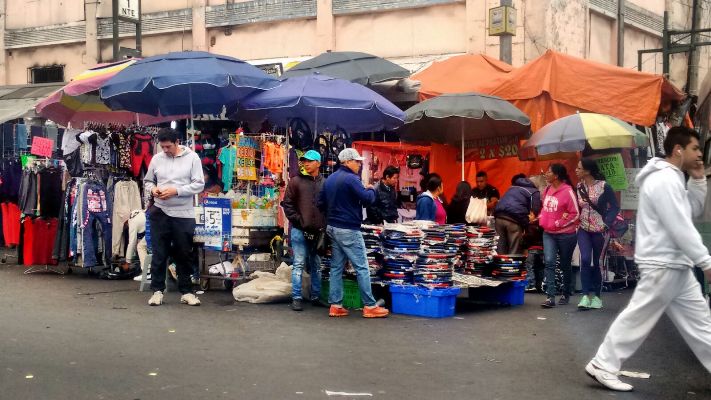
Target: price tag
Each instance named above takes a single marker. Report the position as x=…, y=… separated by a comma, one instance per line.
x=42, y=146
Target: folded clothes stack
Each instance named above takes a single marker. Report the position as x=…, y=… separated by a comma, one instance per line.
x=511, y=267
x=434, y=268
x=481, y=249
x=374, y=249
x=401, y=244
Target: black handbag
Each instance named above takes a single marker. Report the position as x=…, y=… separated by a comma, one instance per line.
x=323, y=242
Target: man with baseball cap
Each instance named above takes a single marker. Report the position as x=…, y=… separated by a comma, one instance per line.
x=342, y=199
x=307, y=222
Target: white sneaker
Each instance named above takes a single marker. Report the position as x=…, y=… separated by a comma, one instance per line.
x=156, y=299
x=607, y=379
x=190, y=299
x=173, y=271
x=138, y=278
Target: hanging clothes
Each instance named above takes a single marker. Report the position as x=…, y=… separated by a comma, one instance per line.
x=94, y=211
x=103, y=149
x=227, y=158
x=126, y=198
x=141, y=152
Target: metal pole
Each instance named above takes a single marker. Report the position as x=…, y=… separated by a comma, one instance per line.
x=505, y=41
x=621, y=33
x=692, y=80
x=139, y=32
x=665, y=45
x=115, y=7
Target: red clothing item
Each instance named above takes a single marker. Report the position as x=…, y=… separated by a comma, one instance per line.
x=10, y=223
x=141, y=152
x=560, y=212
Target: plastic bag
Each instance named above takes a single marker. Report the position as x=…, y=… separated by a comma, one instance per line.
x=476, y=211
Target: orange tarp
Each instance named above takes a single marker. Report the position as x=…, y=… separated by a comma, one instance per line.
x=556, y=85
x=461, y=74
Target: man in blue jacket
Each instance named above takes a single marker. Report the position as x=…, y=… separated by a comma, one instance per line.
x=512, y=212
x=342, y=200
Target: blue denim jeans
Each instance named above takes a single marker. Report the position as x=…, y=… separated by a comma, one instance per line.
x=558, y=245
x=348, y=243
x=304, y=256
x=592, y=245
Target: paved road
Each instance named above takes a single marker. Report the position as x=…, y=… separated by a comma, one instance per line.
x=83, y=338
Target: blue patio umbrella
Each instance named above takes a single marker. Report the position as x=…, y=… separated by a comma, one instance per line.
x=324, y=103
x=190, y=82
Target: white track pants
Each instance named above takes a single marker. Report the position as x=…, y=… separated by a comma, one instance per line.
x=674, y=291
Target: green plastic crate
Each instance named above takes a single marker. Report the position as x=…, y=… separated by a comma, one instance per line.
x=351, y=293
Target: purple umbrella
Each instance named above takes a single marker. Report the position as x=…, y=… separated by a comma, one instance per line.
x=325, y=103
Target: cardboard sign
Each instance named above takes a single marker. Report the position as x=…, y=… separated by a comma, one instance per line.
x=492, y=148
x=613, y=169
x=218, y=223
x=245, y=165
x=42, y=147
x=630, y=197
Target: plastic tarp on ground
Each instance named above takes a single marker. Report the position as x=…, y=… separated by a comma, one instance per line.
x=462, y=74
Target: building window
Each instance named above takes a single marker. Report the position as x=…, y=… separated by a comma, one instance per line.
x=48, y=74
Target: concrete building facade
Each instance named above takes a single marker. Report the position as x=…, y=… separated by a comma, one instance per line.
x=73, y=35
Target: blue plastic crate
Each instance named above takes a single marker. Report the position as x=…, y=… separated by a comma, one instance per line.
x=506, y=293
x=423, y=302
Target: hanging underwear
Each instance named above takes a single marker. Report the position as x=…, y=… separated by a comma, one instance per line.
x=141, y=152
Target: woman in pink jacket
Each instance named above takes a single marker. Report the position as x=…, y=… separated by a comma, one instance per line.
x=559, y=220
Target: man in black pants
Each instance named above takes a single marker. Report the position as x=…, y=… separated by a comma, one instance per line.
x=174, y=177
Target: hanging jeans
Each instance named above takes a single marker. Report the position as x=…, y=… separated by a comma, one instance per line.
x=141, y=152
x=592, y=252
x=305, y=256
x=555, y=245
x=94, y=209
x=170, y=236
x=127, y=198
x=348, y=244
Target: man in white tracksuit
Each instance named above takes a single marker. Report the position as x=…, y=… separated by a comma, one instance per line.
x=667, y=247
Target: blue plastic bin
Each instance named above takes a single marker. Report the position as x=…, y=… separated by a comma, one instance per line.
x=423, y=302
x=506, y=293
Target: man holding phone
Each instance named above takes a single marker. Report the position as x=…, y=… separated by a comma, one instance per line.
x=173, y=178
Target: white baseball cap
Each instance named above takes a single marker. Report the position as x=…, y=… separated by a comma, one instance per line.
x=349, y=154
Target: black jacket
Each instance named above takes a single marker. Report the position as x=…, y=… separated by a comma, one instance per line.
x=521, y=198
x=300, y=203
x=385, y=207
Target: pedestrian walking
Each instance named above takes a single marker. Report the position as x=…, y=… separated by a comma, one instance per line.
x=598, y=210
x=668, y=246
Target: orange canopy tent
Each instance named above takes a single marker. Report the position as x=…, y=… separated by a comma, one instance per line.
x=461, y=74
x=556, y=85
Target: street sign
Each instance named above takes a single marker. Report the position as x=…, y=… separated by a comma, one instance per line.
x=128, y=9
x=502, y=21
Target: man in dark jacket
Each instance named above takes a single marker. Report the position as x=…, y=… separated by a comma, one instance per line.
x=386, y=201
x=307, y=222
x=512, y=213
x=343, y=198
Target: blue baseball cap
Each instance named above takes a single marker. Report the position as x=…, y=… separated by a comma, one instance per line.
x=311, y=155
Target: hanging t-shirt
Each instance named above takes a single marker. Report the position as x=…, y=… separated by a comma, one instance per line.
x=227, y=157
x=103, y=149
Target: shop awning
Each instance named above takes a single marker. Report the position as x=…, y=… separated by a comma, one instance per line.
x=19, y=101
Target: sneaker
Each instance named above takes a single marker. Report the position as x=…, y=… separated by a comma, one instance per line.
x=318, y=303
x=549, y=303
x=296, y=305
x=584, y=303
x=607, y=379
x=138, y=277
x=564, y=300
x=156, y=299
x=596, y=303
x=337, y=311
x=190, y=299
x=173, y=271
x=375, y=312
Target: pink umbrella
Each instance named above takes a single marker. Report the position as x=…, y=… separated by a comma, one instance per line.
x=79, y=102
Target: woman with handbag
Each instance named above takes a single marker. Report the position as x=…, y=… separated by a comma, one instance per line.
x=559, y=220
x=598, y=210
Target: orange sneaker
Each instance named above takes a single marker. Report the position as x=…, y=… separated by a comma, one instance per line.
x=337, y=311
x=375, y=312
